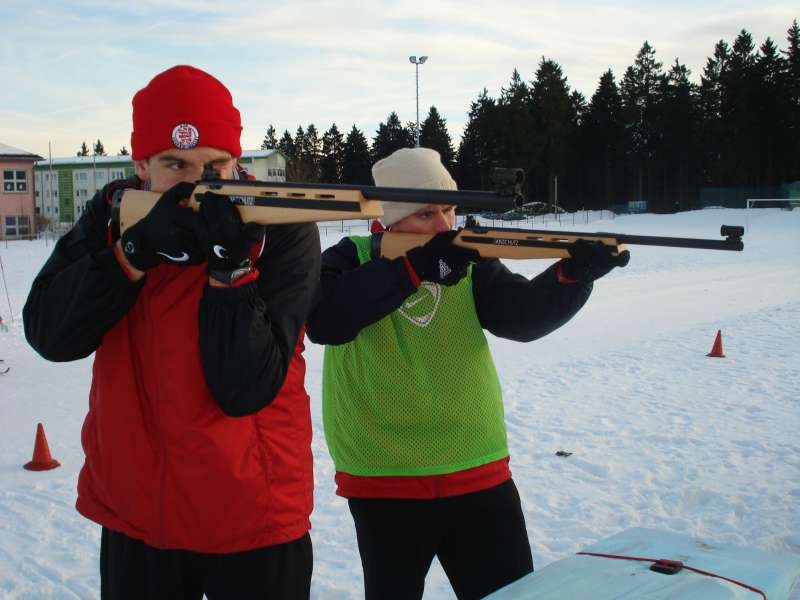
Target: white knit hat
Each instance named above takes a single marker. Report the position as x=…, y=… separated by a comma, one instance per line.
x=410, y=168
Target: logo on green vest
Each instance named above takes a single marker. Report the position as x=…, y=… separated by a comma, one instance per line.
x=420, y=308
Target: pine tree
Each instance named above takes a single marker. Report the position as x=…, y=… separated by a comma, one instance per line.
x=478, y=151
x=601, y=143
x=433, y=134
x=515, y=137
x=84, y=151
x=792, y=76
x=332, y=161
x=357, y=162
x=295, y=169
x=739, y=84
x=553, y=119
x=675, y=148
x=270, y=141
x=712, y=135
x=310, y=150
x=773, y=122
x=390, y=136
x=286, y=145
x=639, y=90
x=411, y=127
x=99, y=150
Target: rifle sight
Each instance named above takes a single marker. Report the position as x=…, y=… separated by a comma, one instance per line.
x=508, y=182
x=732, y=233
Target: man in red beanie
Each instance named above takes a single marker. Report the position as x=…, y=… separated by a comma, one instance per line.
x=198, y=438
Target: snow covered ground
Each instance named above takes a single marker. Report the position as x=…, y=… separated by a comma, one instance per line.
x=661, y=435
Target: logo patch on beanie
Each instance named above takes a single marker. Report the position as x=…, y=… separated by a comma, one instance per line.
x=185, y=136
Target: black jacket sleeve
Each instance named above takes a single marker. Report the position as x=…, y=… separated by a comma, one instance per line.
x=352, y=296
x=514, y=307
x=248, y=334
x=80, y=292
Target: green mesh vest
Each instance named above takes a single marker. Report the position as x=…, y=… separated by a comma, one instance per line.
x=417, y=392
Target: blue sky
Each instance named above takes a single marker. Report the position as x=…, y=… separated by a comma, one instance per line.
x=69, y=70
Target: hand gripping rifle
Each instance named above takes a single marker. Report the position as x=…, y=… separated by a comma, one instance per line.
x=270, y=203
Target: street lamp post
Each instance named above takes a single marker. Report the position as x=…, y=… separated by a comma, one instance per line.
x=417, y=62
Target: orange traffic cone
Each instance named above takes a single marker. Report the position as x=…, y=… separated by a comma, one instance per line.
x=716, y=349
x=41, y=461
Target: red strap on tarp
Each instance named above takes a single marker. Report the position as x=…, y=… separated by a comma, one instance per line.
x=685, y=566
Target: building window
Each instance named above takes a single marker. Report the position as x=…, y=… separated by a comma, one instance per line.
x=15, y=181
x=18, y=225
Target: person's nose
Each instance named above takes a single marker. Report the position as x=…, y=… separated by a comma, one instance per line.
x=442, y=223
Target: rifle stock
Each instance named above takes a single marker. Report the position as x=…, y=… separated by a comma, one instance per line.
x=271, y=203
x=501, y=242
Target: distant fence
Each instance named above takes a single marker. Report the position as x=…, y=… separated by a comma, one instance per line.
x=560, y=219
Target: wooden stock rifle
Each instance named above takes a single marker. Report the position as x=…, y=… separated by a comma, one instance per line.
x=501, y=242
x=270, y=203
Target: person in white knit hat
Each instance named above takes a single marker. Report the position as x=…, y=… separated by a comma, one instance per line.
x=412, y=405
x=410, y=167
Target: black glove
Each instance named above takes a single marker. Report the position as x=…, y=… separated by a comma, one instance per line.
x=166, y=234
x=590, y=260
x=440, y=261
x=226, y=238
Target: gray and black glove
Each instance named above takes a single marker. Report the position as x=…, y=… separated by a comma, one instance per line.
x=227, y=240
x=441, y=261
x=590, y=260
x=166, y=234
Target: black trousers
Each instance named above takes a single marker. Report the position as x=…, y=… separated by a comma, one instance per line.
x=479, y=539
x=132, y=570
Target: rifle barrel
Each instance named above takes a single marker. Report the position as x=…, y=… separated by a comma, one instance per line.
x=676, y=242
x=473, y=200
x=552, y=238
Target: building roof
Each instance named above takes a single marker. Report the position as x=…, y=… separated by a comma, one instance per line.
x=87, y=161
x=90, y=161
x=7, y=151
x=260, y=153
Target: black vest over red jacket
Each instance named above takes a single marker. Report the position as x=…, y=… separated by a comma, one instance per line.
x=174, y=471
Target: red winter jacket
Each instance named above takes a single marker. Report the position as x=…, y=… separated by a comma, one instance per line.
x=198, y=435
x=163, y=463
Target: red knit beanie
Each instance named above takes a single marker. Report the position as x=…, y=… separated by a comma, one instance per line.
x=183, y=108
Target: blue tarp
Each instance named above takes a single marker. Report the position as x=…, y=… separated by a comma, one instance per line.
x=601, y=578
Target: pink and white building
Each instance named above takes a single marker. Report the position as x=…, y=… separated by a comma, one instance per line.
x=17, y=212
